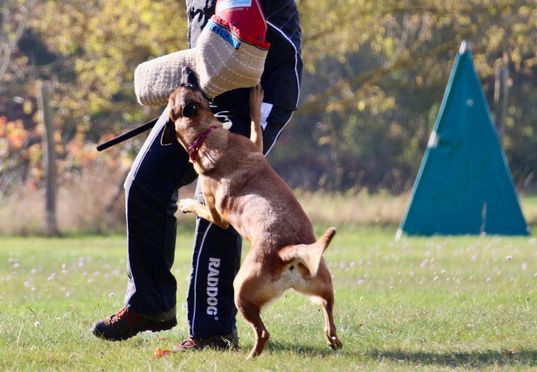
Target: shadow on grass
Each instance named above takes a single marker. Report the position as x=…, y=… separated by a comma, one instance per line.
x=470, y=359
x=277, y=347
x=475, y=359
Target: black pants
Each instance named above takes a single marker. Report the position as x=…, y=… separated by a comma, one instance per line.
x=151, y=202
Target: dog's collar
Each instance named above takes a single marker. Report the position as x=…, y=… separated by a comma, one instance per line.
x=198, y=142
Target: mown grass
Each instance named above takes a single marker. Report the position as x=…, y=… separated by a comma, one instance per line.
x=421, y=303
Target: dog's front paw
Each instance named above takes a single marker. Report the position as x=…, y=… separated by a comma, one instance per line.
x=187, y=205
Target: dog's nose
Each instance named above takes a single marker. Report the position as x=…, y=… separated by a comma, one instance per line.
x=189, y=78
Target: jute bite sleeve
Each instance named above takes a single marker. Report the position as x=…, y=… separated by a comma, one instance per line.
x=223, y=58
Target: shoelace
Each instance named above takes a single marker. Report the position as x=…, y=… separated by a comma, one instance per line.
x=121, y=314
x=190, y=342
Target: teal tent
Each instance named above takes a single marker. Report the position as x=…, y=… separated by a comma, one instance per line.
x=464, y=185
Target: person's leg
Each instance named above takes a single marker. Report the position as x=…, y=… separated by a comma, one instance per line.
x=151, y=196
x=216, y=261
x=216, y=258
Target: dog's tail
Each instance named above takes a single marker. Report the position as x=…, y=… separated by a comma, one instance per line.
x=308, y=254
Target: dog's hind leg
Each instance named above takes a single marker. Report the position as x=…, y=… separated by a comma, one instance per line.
x=252, y=314
x=326, y=295
x=250, y=296
x=321, y=290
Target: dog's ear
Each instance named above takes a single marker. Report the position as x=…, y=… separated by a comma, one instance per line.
x=168, y=134
x=175, y=107
x=190, y=108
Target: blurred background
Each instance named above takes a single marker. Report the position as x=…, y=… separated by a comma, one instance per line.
x=374, y=76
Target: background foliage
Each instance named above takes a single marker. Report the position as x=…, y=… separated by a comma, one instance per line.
x=374, y=77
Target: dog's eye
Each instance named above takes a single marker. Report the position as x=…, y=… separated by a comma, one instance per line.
x=189, y=109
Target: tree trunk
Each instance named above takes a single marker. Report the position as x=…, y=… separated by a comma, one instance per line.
x=501, y=94
x=49, y=160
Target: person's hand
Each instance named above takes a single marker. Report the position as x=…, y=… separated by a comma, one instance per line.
x=256, y=99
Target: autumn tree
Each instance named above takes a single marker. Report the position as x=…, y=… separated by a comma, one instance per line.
x=374, y=76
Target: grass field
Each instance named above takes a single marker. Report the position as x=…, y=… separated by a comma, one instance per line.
x=435, y=303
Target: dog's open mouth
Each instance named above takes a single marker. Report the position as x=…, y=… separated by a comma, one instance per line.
x=189, y=78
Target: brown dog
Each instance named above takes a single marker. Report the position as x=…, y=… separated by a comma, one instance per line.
x=242, y=190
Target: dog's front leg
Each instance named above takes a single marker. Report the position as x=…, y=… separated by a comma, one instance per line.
x=201, y=210
x=256, y=100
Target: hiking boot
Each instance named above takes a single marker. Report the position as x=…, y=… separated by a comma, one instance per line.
x=126, y=324
x=229, y=341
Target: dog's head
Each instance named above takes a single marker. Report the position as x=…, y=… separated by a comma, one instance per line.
x=187, y=106
x=188, y=100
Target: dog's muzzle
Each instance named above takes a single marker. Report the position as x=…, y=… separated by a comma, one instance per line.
x=189, y=79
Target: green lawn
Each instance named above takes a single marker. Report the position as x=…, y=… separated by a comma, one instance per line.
x=434, y=303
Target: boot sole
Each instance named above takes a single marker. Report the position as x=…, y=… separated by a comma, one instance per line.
x=158, y=327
